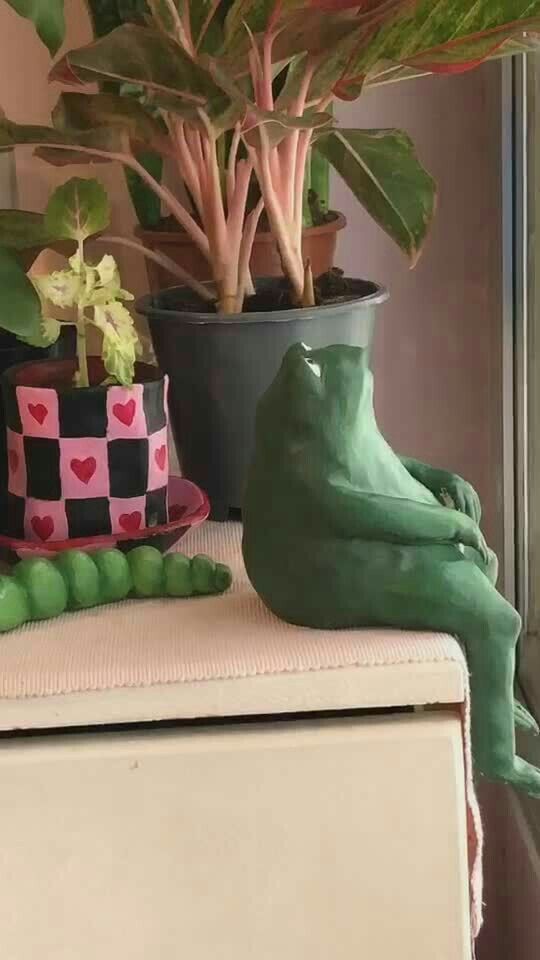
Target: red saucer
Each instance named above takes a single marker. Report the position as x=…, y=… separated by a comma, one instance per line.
x=188, y=507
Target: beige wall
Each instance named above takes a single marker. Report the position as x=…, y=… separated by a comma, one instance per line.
x=438, y=345
x=26, y=96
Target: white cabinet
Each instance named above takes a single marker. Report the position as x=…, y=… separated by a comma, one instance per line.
x=340, y=839
x=305, y=838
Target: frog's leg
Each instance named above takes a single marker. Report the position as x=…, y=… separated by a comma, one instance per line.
x=458, y=598
x=524, y=719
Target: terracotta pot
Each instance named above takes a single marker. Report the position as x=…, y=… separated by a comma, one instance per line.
x=84, y=461
x=319, y=244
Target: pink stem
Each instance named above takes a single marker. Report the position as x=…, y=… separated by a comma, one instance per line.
x=289, y=147
x=267, y=96
x=235, y=227
x=186, y=165
x=231, y=165
x=174, y=205
x=165, y=195
x=244, y=276
x=299, y=180
x=164, y=261
x=283, y=232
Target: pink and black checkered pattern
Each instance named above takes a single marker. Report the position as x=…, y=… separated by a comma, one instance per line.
x=111, y=479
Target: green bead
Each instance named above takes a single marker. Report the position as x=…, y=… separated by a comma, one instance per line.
x=81, y=578
x=203, y=571
x=14, y=606
x=45, y=588
x=223, y=578
x=146, y=565
x=178, y=579
x=114, y=575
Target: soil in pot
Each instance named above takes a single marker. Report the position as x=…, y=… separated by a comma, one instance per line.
x=84, y=461
x=318, y=245
x=219, y=366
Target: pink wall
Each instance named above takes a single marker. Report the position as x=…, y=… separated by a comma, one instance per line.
x=26, y=96
x=438, y=344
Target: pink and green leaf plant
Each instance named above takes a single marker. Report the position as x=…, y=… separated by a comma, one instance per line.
x=235, y=94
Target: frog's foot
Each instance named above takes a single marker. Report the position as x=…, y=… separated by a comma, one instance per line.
x=519, y=774
x=524, y=719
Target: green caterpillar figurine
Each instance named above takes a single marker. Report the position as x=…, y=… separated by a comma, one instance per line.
x=40, y=589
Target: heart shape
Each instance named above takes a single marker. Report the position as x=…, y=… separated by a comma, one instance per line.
x=43, y=527
x=125, y=412
x=84, y=470
x=13, y=458
x=38, y=411
x=130, y=522
x=160, y=456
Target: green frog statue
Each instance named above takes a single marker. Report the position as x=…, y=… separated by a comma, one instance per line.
x=341, y=532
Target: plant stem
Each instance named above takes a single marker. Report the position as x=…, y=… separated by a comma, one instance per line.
x=82, y=358
x=245, y=283
x=164, y=261
x=308, y=296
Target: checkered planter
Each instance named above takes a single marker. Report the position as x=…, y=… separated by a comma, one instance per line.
x=84, y=462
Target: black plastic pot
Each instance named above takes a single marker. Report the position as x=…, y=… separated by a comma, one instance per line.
x=12, y=351
x=219, y=366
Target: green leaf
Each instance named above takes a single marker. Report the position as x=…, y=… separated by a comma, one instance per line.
x=78, y=209
x=61, y=287
x=20, y=306
x=450, y=36
x=253, y=14
x=74, y=145
x=146, y=203
x=47, y=17
x=133, y=54
x=49, y=331
x=24, y=230
x=276, y=123
x=120, y=341
x=79, y=111
x=382, y=170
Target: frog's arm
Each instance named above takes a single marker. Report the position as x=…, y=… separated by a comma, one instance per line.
x=449, y=488
x=40, y=588
x=372, y=516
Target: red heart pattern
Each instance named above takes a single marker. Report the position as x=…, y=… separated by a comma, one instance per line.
x=38, y=411
x=130, y=522
x=43, y=527
x=125, y=412
x=160, y=456
x=13, y=458
x=84, y=470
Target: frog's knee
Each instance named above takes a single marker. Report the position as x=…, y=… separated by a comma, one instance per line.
x=492, y=567
x=497, y=622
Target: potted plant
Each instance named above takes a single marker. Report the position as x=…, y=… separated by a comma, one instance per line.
x=162, y=233
x=86, y=438
x=202, y=91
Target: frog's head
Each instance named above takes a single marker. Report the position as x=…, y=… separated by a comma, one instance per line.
x=317, y=392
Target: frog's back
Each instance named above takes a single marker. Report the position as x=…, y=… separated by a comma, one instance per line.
x=316, y=430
